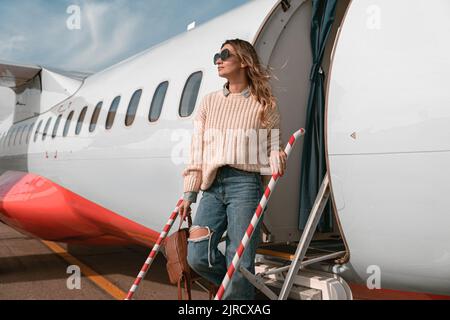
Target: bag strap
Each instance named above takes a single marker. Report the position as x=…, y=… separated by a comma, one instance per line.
x=180, y=295
x=187, y=286
x=212, y=290
x=189, y=222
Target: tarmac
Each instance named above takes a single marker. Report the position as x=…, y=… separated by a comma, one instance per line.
x=39, y=270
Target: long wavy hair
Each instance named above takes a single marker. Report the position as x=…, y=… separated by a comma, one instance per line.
x=257, y=75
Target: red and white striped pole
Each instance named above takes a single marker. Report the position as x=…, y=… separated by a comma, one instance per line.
x=154, y=251
x=259, y=210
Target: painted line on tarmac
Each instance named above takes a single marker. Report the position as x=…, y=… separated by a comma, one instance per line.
x=96, y=278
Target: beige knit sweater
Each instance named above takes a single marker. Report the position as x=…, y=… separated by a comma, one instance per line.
x=227, y=130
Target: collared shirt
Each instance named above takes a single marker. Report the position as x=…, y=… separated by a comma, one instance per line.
x=245, y=92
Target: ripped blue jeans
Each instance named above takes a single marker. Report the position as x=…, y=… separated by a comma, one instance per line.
x=229, y=204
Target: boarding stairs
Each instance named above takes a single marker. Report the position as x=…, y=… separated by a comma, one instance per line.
x=280, y=275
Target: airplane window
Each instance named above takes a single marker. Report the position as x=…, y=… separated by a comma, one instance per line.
x=37, y=130
x=21, y=134
x=5, y=142
x=16, y=134
x=132, y=107
x=30, y=129
x=10, y=136
x=80, y=120
x=190, y=94
x=158, y=101
x=55, y=128
x=44, y=135
x=67, y=125
x=112, y=112
x=95, y=115
x=7, y=137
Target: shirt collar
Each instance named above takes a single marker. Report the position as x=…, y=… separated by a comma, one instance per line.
x=245, y=92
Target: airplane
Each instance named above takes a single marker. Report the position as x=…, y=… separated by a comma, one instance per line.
x=95, y=159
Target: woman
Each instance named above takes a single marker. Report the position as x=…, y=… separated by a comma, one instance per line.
x=231, y=189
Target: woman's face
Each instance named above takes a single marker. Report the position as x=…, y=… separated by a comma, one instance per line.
x=230, y=66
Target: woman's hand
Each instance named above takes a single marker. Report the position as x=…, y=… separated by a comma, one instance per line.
x=278, y=162
x=185, y=209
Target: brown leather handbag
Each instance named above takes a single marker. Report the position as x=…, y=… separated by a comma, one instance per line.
x=177, y=265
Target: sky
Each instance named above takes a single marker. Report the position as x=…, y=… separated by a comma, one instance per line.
x=91, y=35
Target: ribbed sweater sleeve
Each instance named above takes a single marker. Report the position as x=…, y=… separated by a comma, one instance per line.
x=193, y=172
x=274, y=130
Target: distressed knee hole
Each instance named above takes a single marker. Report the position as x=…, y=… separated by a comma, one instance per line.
x=198, y=233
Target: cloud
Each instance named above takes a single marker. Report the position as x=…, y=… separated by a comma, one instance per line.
x=111, y=30
x=108, y=40
x=12, y=45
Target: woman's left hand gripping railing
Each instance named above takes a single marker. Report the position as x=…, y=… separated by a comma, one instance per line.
x=154, y=251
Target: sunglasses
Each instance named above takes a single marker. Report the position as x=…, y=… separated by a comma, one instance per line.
x=224, y=55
